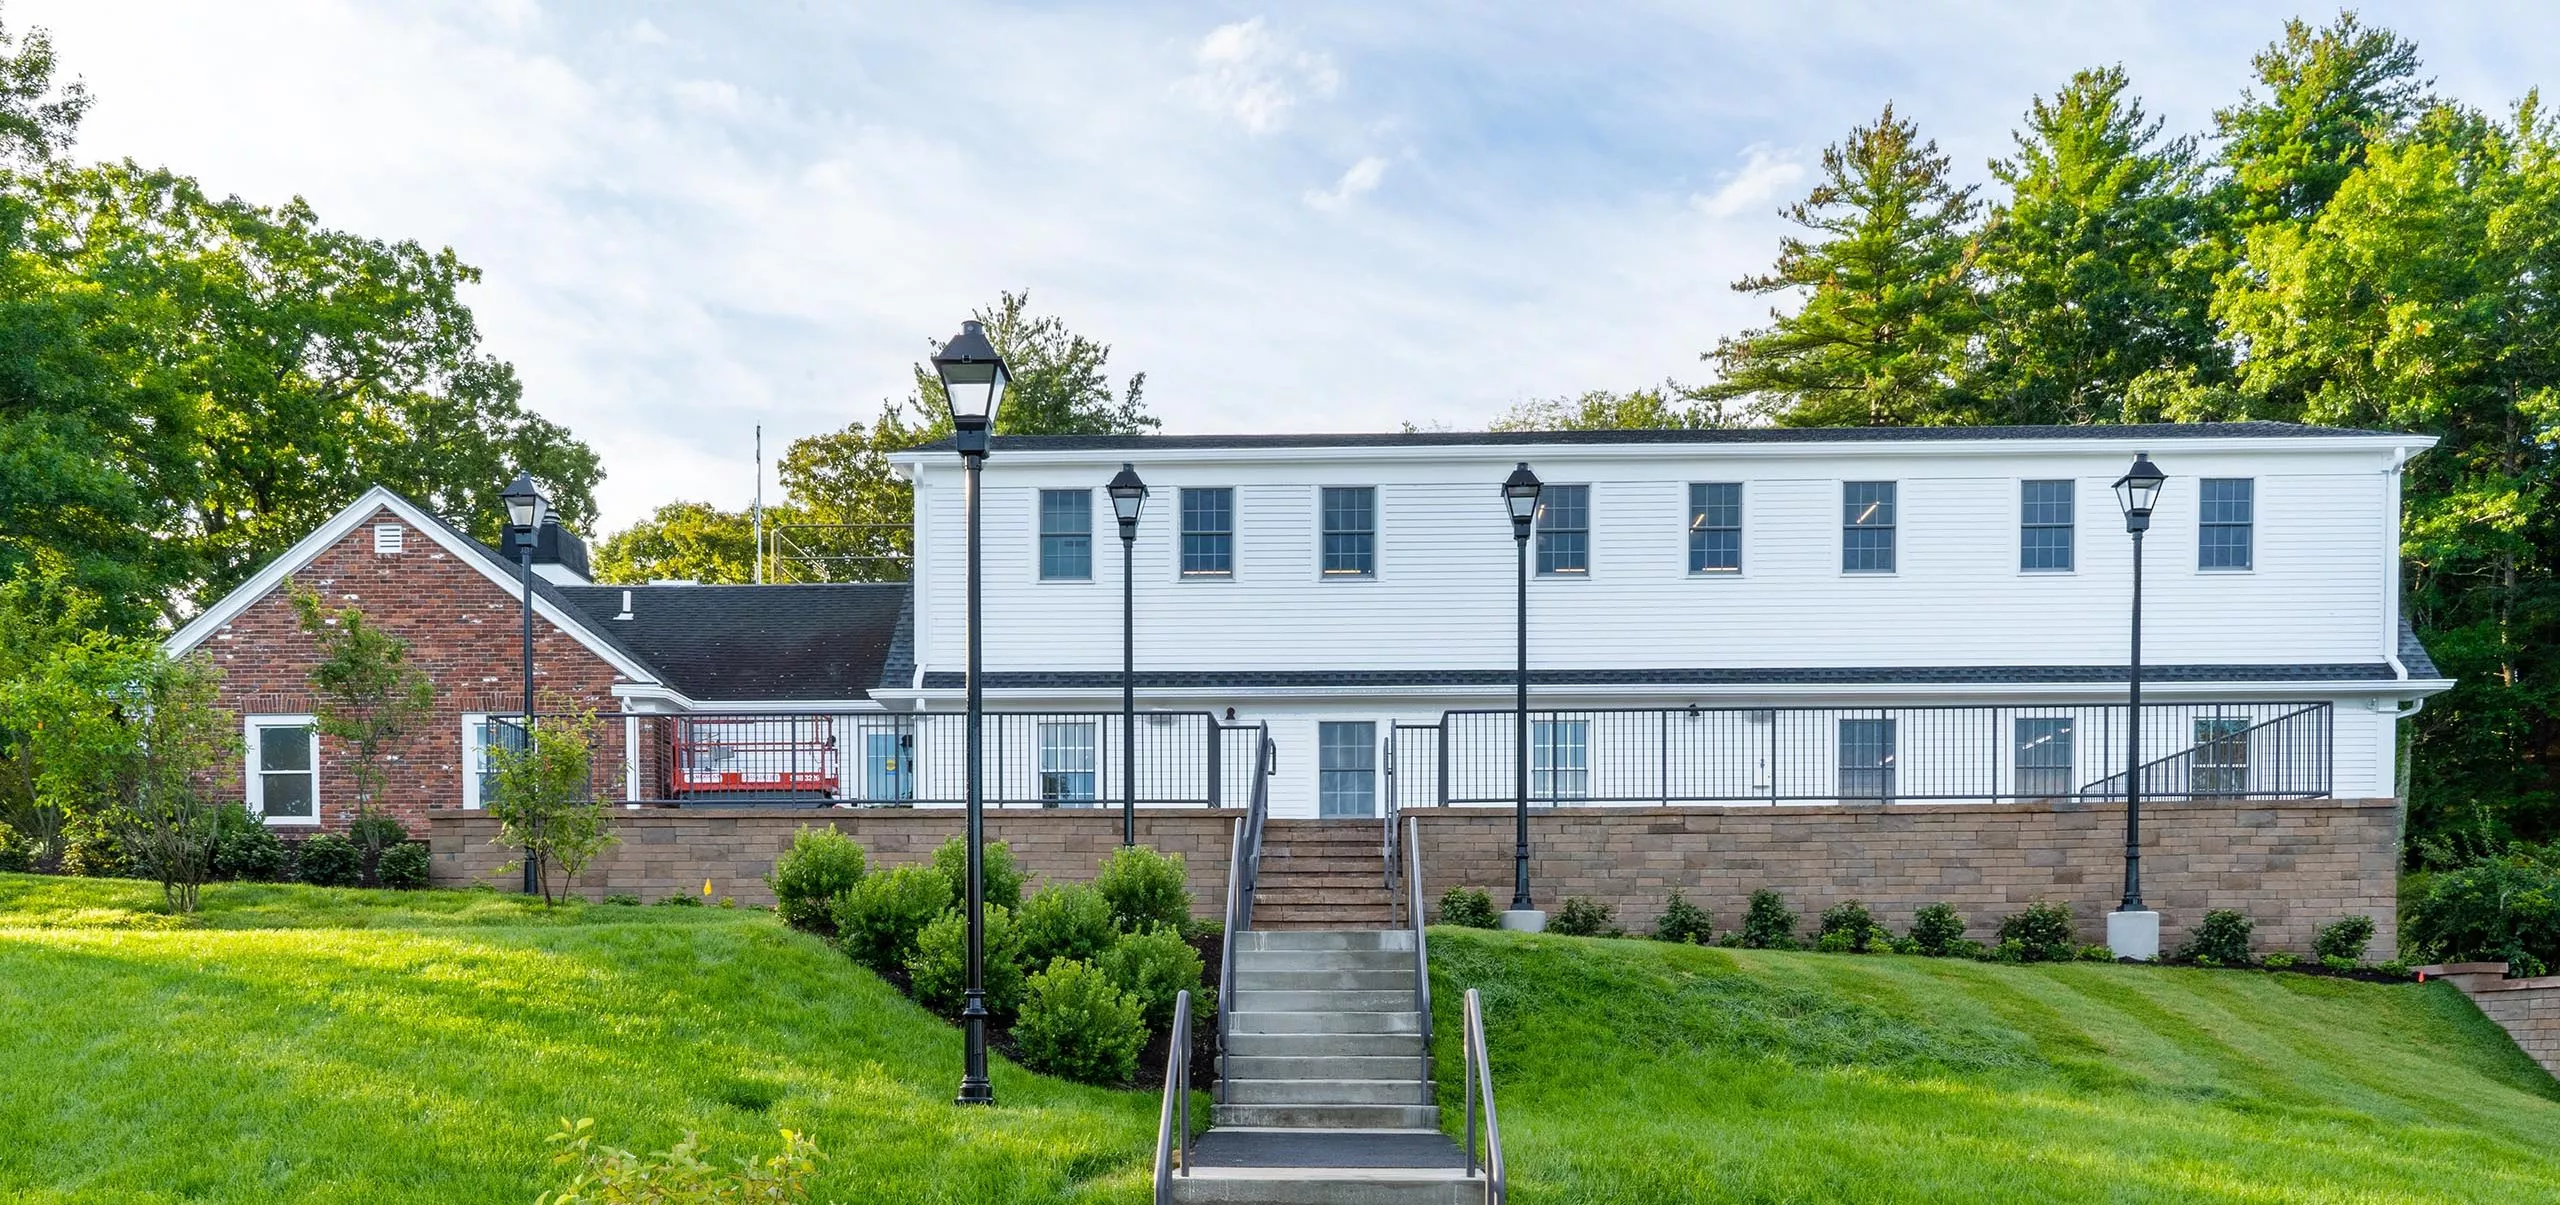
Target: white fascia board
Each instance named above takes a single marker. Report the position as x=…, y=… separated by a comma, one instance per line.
x=1681, y=695
x=322, y=538
x=2404, y=444
x=677, y=702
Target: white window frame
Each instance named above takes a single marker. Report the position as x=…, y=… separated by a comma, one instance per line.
x=254, y=780
x=389, y=539
x=1054, y=756
x=1366, y=575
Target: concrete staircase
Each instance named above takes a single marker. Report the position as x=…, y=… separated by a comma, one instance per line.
x=1323, y=874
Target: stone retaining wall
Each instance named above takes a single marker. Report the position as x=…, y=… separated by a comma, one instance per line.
x=2292, y=866
x=2528, y=1009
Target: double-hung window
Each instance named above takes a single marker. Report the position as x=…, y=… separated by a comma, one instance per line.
x=2044, y=758
x=1866, y=526
x=1564, y=531
x=1208, y=532
x=2225, y=521
x=1346, y=768
x=283, y=782
x=1066, y=535
x=2044, y=526
x=1866, y=760
x=1066, y=762
x=1715, y=527
x=2218, y=766
x=1559, y=759
x=483, y=736
x=1350, y=531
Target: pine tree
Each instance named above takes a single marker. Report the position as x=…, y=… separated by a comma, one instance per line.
x=2330, y=93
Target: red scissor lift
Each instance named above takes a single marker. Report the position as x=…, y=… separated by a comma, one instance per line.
x=763, y=757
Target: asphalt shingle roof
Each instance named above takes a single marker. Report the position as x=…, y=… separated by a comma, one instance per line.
x=1722, y=435
x=735, y=644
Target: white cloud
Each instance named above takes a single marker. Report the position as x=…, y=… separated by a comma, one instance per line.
x=646, y=32
x=1361, y=178
x=1253, y=75
x=1764, y=177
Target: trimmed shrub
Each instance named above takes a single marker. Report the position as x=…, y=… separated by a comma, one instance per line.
x=1847, y=927
x=375, y=834
x=1936, y=929
x=2043, y=932
x=1144, y=888
x=2222, y=939
x=1066, y=920
x=1152, y=967
x=1469, y=908
x=998, y=874
x=1683, y=921
x=620, y=899
x=244, y=848
x=2343, y=939
x=91, y=848
x=679, y=900
x=2280, y=960
x=938, y=968
x=328, y=860
x=2496, y=909
x=16, y=853
x=1583, y=916
x=1768, y=924
x=820, y=865
x=2097, y=953
x=404, y=867
x=878, y=922
x=1076, y=1023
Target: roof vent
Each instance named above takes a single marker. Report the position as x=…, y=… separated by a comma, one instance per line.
x=626, y=606
x=387, y=538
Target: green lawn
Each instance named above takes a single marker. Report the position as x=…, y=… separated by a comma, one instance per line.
x=1639, y=1072
x=310, y=1045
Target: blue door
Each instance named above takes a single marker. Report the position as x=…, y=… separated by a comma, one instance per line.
x=886, y=775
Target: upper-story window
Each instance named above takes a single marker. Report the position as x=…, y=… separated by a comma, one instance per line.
x=1350, y=531
x=1066, y=535
x=1715, y=527
x=1208, y=532
x=2227, y=515
x=1564, y=531
x=2044, y=526
x=1866, y=527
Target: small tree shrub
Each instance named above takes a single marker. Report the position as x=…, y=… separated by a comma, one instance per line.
x=328, y=860
x=404, y=867
x=244, y=848
x=820, y=865
x=2097, y=953
x=1936, y=928
x=938, y=969
x=1469, y=908
x=2221, y=939
x=369, y=697
x=1066, y=920
x=999, y=876
x=2345, y=939
x=678, y=1175
x=2043, y=933
x=1768, y=924
x=1683, y=921
x=1847, y=927
x=2498, y=909
x=1076, y=1023
x=1152, y=967
x=92, y=848
x=879, y=921
x=17, y=854
x=1144, y=888
x=375, y=834
x=1583, y=916
x=545, y=801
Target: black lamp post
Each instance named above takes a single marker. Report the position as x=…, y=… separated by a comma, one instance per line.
x=1128, y=497
x=526, y=508
x=1520, y=499
x=973, y=381
x=2138, y=491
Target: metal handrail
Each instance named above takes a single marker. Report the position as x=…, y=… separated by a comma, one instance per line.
x=1421, y=951
x=1173, y=1125
x=1480, y=1075
x=1244, y=866
x=2112, y=786
x=1387, y=851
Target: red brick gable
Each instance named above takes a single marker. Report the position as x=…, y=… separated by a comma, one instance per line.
x=463, y=629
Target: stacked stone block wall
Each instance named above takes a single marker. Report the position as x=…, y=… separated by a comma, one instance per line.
x=2528, y=1009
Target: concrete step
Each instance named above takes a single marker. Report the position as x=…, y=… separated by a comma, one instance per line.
x=1407, y=1021
x=1327, y=1092
x=1329, y=1186
x=1297, y=879
x=1322, y=918
x=1325, y=1045
x=1357, y=1000
x=1330, y=1116
x=1311, y=890
x=1327, y=979
x=1326, y=939
x=1278, y=961
x=1321, y=1067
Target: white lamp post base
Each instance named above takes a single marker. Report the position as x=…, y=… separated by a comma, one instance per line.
x=1525, y=921
x=2134, y=935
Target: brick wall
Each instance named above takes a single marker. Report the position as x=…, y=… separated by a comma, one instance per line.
x=2292, y=866
x=2528, y=1009
x=669, y=851
x=463, y=629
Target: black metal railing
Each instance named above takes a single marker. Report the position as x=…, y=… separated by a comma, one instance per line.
x=1173, y=1124
x=2261, y=750
x=1061, y=759
x=1244, y=868
x=1421, y=945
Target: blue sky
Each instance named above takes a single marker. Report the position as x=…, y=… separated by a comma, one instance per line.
x=694, y=218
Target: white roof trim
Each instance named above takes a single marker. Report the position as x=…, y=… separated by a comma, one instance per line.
x=322, y=538
x=918, y=460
